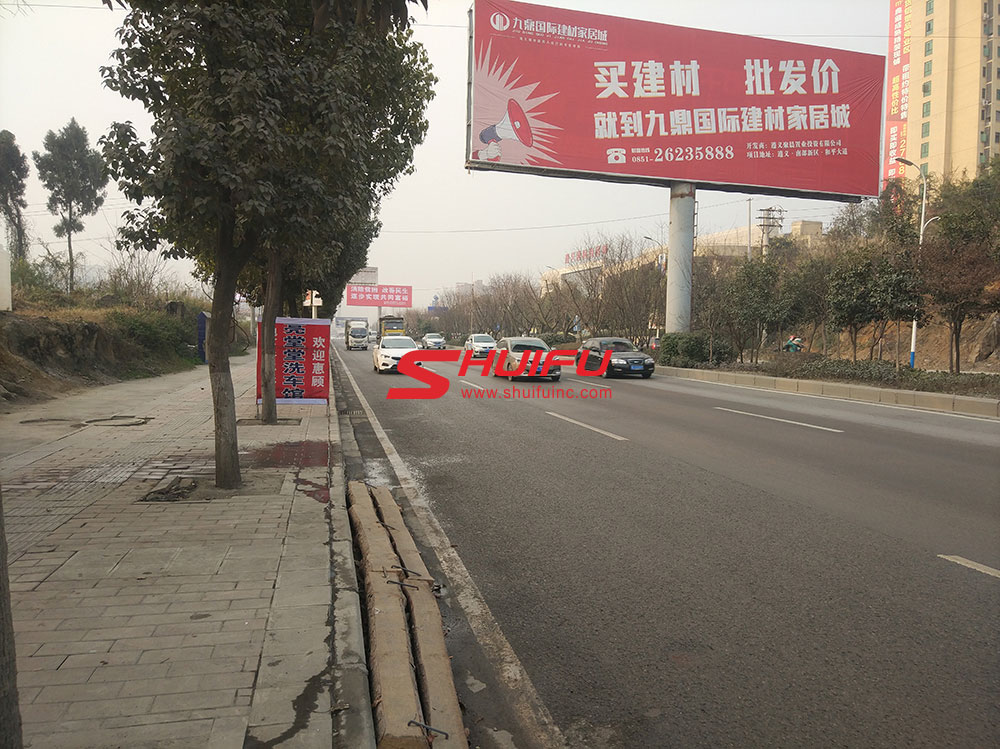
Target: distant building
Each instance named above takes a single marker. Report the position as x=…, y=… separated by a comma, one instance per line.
x=733, y=242
x=465, y=289
x=943, y=87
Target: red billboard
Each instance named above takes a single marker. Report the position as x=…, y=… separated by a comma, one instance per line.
x=378, y=295
x=565, y=93
x=301, y=360
x=897, y=86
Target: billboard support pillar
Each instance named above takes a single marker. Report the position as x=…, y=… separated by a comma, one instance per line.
x=679, y=258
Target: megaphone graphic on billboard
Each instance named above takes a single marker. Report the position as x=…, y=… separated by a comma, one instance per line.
x=513, y=126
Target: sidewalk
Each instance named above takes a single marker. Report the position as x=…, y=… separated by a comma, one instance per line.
x=198, y=622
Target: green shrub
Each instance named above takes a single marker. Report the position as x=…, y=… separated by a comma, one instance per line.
x=884, y=374
x=558, y=340
x=692, y=350
x=155, y=332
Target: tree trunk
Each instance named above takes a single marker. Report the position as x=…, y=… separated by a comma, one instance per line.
x=227, y=459
x=10, y=714
x=898, y=323
x=854, y=345
x=958, y=347
x=69, y=248
x=272, y=304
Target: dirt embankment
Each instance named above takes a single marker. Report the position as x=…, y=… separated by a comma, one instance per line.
x=41, y=357
x=980, y=345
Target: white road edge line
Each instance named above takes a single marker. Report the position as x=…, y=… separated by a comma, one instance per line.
x=535, y=716
x=612, y=435
x=835, y=398
x=971, y=565
x=472, y=384
x=775, y=418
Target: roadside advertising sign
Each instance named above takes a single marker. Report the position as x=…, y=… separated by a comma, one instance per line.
x=379, y=295
x=367, y=275
x=571, y=94
x=898, y=86
x=301, y=360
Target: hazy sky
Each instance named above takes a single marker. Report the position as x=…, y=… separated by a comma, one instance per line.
x=442, y=224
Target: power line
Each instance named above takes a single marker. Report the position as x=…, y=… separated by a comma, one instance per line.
x=518, y=228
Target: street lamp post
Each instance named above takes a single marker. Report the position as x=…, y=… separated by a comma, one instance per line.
x=920, y=244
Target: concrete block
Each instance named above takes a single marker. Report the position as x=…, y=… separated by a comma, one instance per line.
x=280, y=642
x=228, y=733
x=889, y=396
x=864, y=393
x=279, y=670
x=345, y=573
x=275, y=705
x=348, y=629
x=812, y=387
x=727, y=377
x=935, y=401
x=836, y=390
x=764, y=381
x=977, y=406
x=301, y=596
x=352, y=719
x=316, y=734
x=786, y=384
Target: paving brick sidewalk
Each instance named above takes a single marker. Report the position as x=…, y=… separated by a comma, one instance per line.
x=199, y=622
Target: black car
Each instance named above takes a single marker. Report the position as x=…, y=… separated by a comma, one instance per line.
x=626, y=359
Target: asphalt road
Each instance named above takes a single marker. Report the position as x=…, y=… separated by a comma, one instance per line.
x=722, y=566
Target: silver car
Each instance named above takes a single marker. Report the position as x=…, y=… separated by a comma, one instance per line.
x=480, y=344
x=516, y=349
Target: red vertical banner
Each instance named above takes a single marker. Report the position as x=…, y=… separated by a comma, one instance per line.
x=897, y=87
x=301, y=361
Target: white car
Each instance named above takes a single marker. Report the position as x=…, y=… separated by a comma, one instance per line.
x=388, y=352
x=480, y=344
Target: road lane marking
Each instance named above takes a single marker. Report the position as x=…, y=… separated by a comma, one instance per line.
x=584, y=382
x=535, y=718
x=919, y=409
x=971, y=565
x=775, y=418
x=612, y=435
x=466, y=382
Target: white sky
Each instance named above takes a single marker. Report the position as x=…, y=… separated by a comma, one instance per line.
x=51, y=52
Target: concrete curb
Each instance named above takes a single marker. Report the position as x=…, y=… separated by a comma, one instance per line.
x=960, y=404
x=353, y=720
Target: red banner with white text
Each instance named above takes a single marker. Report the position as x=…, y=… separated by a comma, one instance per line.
x=378, y=295
x=897, y=87
x=567, y=93
x=301, y=360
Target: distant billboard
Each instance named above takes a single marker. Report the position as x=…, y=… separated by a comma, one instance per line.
x=564, y=93
x=367, y=275
x=897, y=108
x=378, y=296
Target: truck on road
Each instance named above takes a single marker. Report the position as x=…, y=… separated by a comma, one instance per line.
x=356, y=334
x=390, y=325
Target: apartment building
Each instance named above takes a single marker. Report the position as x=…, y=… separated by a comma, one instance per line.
x=944, y=86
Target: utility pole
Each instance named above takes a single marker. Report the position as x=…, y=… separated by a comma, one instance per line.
x=749, y=227
x=768, y=220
